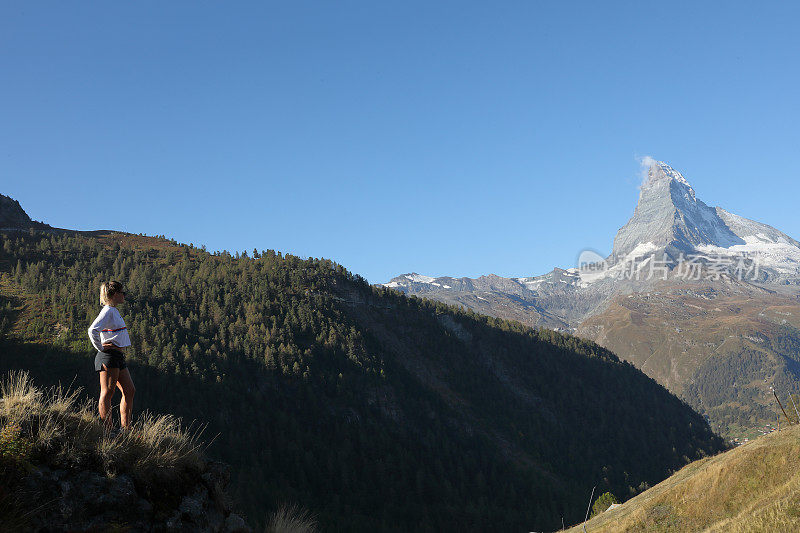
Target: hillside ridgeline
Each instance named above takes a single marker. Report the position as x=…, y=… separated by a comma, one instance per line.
x=374, y=410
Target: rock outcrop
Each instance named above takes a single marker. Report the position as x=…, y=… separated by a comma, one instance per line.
x=64, y=500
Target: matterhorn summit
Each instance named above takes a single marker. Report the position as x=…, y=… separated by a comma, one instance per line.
x=669, y=215
x=670, y=219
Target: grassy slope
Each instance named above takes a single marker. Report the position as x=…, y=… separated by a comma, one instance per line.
x=755, y=487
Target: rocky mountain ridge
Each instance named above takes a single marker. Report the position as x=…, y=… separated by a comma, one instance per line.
x=12, y=216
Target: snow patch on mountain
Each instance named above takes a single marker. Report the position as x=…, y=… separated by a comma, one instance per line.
x=744, y=228
x=416, y=278
x=419, y=278
x=602, y=271
x=780, y=256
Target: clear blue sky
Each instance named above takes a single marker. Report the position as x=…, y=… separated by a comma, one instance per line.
x=446, y=138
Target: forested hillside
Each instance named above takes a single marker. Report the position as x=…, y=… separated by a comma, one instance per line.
x=374, y=410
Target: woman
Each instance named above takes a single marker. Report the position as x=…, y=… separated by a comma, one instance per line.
x=110, y=336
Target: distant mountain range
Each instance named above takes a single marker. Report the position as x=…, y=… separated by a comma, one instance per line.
x=648, y=301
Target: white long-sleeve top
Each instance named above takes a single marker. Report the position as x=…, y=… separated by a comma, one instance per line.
x=109, y=327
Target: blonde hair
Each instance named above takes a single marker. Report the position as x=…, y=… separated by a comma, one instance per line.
x=109, y=289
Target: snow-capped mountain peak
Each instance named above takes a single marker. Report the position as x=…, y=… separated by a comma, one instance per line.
x=670, y=215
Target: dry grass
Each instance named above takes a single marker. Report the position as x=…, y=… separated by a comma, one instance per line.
x=291, y=519
x=55, y=428
x=755, y=487
x=61, y=431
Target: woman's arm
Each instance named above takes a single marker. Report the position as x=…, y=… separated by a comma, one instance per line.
x=94, y=329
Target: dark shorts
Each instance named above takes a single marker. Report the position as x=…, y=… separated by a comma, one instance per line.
x=111, y=358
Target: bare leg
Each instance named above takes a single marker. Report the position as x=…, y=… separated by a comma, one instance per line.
x=125, y=385
x=108, y=382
